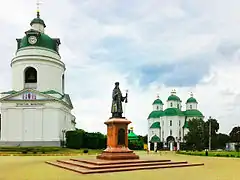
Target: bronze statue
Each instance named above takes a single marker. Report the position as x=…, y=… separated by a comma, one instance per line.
x=117, y=100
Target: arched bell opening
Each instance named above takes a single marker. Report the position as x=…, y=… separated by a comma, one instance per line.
x=30, y=78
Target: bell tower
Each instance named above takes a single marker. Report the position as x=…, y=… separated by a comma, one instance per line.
x=37, y=63
x=36, y=111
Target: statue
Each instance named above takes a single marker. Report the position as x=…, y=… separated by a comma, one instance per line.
x=117, y=100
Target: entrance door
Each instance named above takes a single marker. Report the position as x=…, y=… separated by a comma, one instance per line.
x=29, y=116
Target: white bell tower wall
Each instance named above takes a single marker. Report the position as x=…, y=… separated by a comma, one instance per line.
x=48, y=65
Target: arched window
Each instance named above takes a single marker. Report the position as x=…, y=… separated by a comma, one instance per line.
x=30, y=75
x=190, y=106
x=157, y=107
x=63, y=84
x=170, y=122
x=178, y=106
x=170, y=132
x=171, y=104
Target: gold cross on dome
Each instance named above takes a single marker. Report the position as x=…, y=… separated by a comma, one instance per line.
x=38, y=6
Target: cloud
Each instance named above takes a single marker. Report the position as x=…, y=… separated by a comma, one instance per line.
x=149, y=46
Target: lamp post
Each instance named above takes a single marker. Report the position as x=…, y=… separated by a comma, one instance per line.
x=63, y=131
x=210, y=133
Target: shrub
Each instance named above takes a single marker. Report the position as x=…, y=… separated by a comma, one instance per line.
x=29, y=149
x=85, y=151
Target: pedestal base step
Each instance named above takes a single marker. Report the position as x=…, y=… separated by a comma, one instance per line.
x=88, y=166
x=117, y=156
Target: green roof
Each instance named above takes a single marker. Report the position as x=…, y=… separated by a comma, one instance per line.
x=155, y=138
x=9, y=92
x=185, y=124
x=51, y=92
x=43, y=40
x=37, y=20
x=174, y=98
x=173, y=112
x=132, y=136
x=191, y=100
x=156, y=125
x=156, y=114
x=193, y=113
x=158, y=101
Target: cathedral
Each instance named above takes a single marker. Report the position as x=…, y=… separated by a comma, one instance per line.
x=167, y=128
x=37, y=110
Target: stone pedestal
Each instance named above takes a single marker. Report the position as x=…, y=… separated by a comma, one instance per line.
x=117, y=141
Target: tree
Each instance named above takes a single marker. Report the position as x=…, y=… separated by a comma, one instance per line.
x=195, y=136
x=235, y=134
x=221, y=140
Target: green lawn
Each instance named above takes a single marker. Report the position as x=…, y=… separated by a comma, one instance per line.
x=213, y=153
x=33, y=167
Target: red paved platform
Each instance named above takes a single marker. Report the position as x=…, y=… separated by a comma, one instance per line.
x=103, y=166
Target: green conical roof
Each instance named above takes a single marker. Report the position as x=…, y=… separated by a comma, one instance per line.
x=132, y=135
x=155, y=138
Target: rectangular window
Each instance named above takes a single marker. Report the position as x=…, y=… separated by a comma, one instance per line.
x=170, y=122
x=179, y=122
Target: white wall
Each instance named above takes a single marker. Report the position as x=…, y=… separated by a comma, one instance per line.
x=188, y=106
x=175, y=104
x=157, y=107
x=49, y=69
x=43, y=123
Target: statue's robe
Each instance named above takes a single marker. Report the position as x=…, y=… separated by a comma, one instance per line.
x=117, y=100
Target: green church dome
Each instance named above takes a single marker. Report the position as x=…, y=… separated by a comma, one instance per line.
x=174, y=98
x=158, y=101
x=191, y=100
x=132, y=135
x=173, y=112
x=37, y=20
x=193, y=113
x=156, y=114
x=43, y=40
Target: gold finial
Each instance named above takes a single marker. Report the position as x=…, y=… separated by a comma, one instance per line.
x=191, y=94
x=131, y=128
x=38, y=8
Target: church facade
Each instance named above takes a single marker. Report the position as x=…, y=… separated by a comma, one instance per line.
x=37, y=111
x=167, y=127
